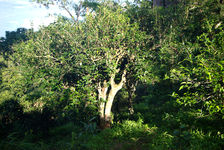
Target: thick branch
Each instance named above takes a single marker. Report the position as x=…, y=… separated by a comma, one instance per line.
x=102, y=91
x=114, y=89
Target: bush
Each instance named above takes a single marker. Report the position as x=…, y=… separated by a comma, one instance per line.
x=130, y=135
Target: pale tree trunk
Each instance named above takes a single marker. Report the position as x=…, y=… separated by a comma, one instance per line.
x=102, y=96
x=105, y=107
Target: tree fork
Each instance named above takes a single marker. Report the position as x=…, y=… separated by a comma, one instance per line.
x=105, y=108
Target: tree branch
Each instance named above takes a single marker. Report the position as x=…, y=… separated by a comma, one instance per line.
x=70, y=14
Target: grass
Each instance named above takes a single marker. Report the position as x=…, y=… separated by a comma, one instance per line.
x=153, y=127
x=128, y=135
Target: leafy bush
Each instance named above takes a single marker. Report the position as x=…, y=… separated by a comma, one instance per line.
x=130, y=135
x=204, y=141
x=201, y=73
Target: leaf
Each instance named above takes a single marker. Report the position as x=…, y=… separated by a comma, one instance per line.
x=181, y=87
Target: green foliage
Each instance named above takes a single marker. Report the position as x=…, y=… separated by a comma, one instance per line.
x=13, y=37
x=75, y=56
x=48, y=84
x=202, y=72
x=130, y=134
x=186, y=46
x=201, y=140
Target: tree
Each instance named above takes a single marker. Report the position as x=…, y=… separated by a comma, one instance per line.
x=94, y=55
x=12, y=37
x=117, y=46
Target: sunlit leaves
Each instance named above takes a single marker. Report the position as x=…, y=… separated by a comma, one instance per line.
x=202, y=80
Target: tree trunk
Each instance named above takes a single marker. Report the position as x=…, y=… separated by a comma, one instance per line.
x=102, y=95
x=130, y=104
x=131, y=87
x=105, y=107
x=158, y=3
x=164, y=3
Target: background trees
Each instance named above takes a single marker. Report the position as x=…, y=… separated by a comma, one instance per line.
x=12, y=37
x=201, y=72
x=179, y=32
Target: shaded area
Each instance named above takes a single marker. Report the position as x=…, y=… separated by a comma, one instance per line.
x=158, y=123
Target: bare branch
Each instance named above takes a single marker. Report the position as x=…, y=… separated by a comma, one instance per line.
x=70, y=14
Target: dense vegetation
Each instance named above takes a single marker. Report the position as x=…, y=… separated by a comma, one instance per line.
x=144, y=75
